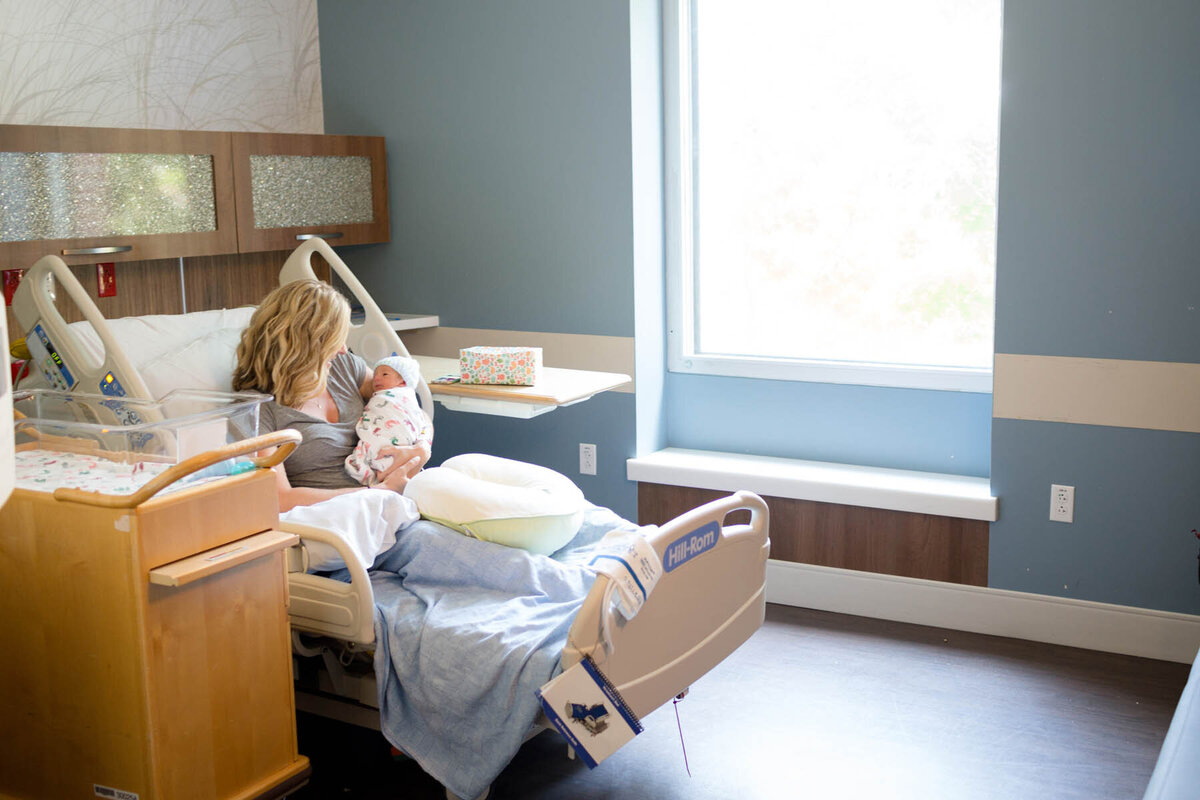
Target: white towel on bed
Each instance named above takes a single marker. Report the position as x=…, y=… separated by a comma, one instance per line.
x=366, y=521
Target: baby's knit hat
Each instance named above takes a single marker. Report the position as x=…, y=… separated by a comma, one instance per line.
x=407, y=367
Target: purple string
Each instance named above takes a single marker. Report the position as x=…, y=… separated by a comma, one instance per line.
x=679, y=725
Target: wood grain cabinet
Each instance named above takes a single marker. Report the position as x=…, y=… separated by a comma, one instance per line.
x=293, y=186
x=111, y=194
x=147, y=648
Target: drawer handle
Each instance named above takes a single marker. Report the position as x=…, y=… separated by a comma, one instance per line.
x=97, y=251
x=305, y=236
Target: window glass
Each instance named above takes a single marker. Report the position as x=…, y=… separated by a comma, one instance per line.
x=843, y=182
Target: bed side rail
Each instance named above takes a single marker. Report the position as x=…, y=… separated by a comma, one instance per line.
x=710, y=599
x=33, y=305
x=326, y=606
x=374, y=338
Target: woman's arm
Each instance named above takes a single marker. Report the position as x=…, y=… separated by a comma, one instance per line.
x=291, y=496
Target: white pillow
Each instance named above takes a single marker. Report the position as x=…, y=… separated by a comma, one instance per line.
x=366, y=521
x=176, y=351
x=500, y=500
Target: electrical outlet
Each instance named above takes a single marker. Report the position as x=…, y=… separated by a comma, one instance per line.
x=587, y=459
x=1062, y=503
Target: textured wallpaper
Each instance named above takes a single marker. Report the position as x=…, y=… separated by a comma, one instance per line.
x=183, y=64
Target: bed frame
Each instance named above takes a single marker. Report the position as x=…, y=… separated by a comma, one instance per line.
x=699, y=612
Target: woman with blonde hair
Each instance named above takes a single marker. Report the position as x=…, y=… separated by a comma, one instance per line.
x=295, y=349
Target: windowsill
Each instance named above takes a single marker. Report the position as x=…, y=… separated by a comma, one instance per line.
x=949, y=379
x=958, y=496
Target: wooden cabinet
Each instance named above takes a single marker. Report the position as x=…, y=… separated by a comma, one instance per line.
x=110, y=194
x=147, y=648
x=292, y=186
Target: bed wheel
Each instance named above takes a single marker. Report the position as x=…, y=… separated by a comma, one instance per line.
x=452, y=796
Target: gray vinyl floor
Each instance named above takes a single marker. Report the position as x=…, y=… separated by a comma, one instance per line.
x=820, y=705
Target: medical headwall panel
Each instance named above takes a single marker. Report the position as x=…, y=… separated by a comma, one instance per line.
x=109, y=194
x=292, y=187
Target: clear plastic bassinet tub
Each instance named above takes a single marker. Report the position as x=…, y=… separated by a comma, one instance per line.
x=115, y=445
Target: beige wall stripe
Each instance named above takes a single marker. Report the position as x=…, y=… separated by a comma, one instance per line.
x=1156, y=395
x=563, y=350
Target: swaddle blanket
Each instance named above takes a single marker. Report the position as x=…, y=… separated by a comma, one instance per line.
x=465, y=631
x=47, y=470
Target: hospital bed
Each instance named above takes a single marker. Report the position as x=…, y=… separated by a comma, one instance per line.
x=698, y=613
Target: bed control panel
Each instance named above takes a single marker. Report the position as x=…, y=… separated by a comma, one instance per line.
x=46, y=356
x=110, y=386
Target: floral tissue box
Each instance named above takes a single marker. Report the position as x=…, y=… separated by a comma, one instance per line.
x=514, y=366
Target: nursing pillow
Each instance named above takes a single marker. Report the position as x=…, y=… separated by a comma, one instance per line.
x=499, y=500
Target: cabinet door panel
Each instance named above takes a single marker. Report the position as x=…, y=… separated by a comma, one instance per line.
x=109, y=194
x=220, y=681
x=294, y=186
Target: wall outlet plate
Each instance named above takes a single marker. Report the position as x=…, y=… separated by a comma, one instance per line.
x=1062, y=503
x=587, y=459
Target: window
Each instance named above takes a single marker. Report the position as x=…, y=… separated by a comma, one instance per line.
x=832, y=189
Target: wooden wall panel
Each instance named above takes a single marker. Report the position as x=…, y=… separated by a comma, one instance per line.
x=236, y=280
x=230, y=281
x=850, y=537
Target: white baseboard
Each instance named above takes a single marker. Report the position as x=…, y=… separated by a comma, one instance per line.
x=1040, y=618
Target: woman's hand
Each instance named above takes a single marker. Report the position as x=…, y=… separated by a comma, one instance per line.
x=406, y=462
x=398, y=476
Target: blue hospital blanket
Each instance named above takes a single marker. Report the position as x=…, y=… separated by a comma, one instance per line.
x=466, y=631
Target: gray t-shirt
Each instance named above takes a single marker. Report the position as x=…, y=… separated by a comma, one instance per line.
x=319, y=461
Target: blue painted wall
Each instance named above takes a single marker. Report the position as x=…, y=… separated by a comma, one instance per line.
x=510, y=169
x=1099, y=243
x=1135, y=505
x=869, y=425
x=509, y=161
x=1099, y=216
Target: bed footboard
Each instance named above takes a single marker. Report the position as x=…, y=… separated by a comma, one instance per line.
x=329, y=607
x=708, y=601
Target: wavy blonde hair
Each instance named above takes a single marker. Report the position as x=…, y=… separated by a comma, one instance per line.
x=292, y=336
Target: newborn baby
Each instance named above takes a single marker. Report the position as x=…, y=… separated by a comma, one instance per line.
x=392, y=417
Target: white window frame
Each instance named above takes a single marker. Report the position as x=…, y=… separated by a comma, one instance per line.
x=679, y=171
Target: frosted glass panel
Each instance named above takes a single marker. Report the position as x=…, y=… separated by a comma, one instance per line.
x=295, y=191
x=86, y=195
